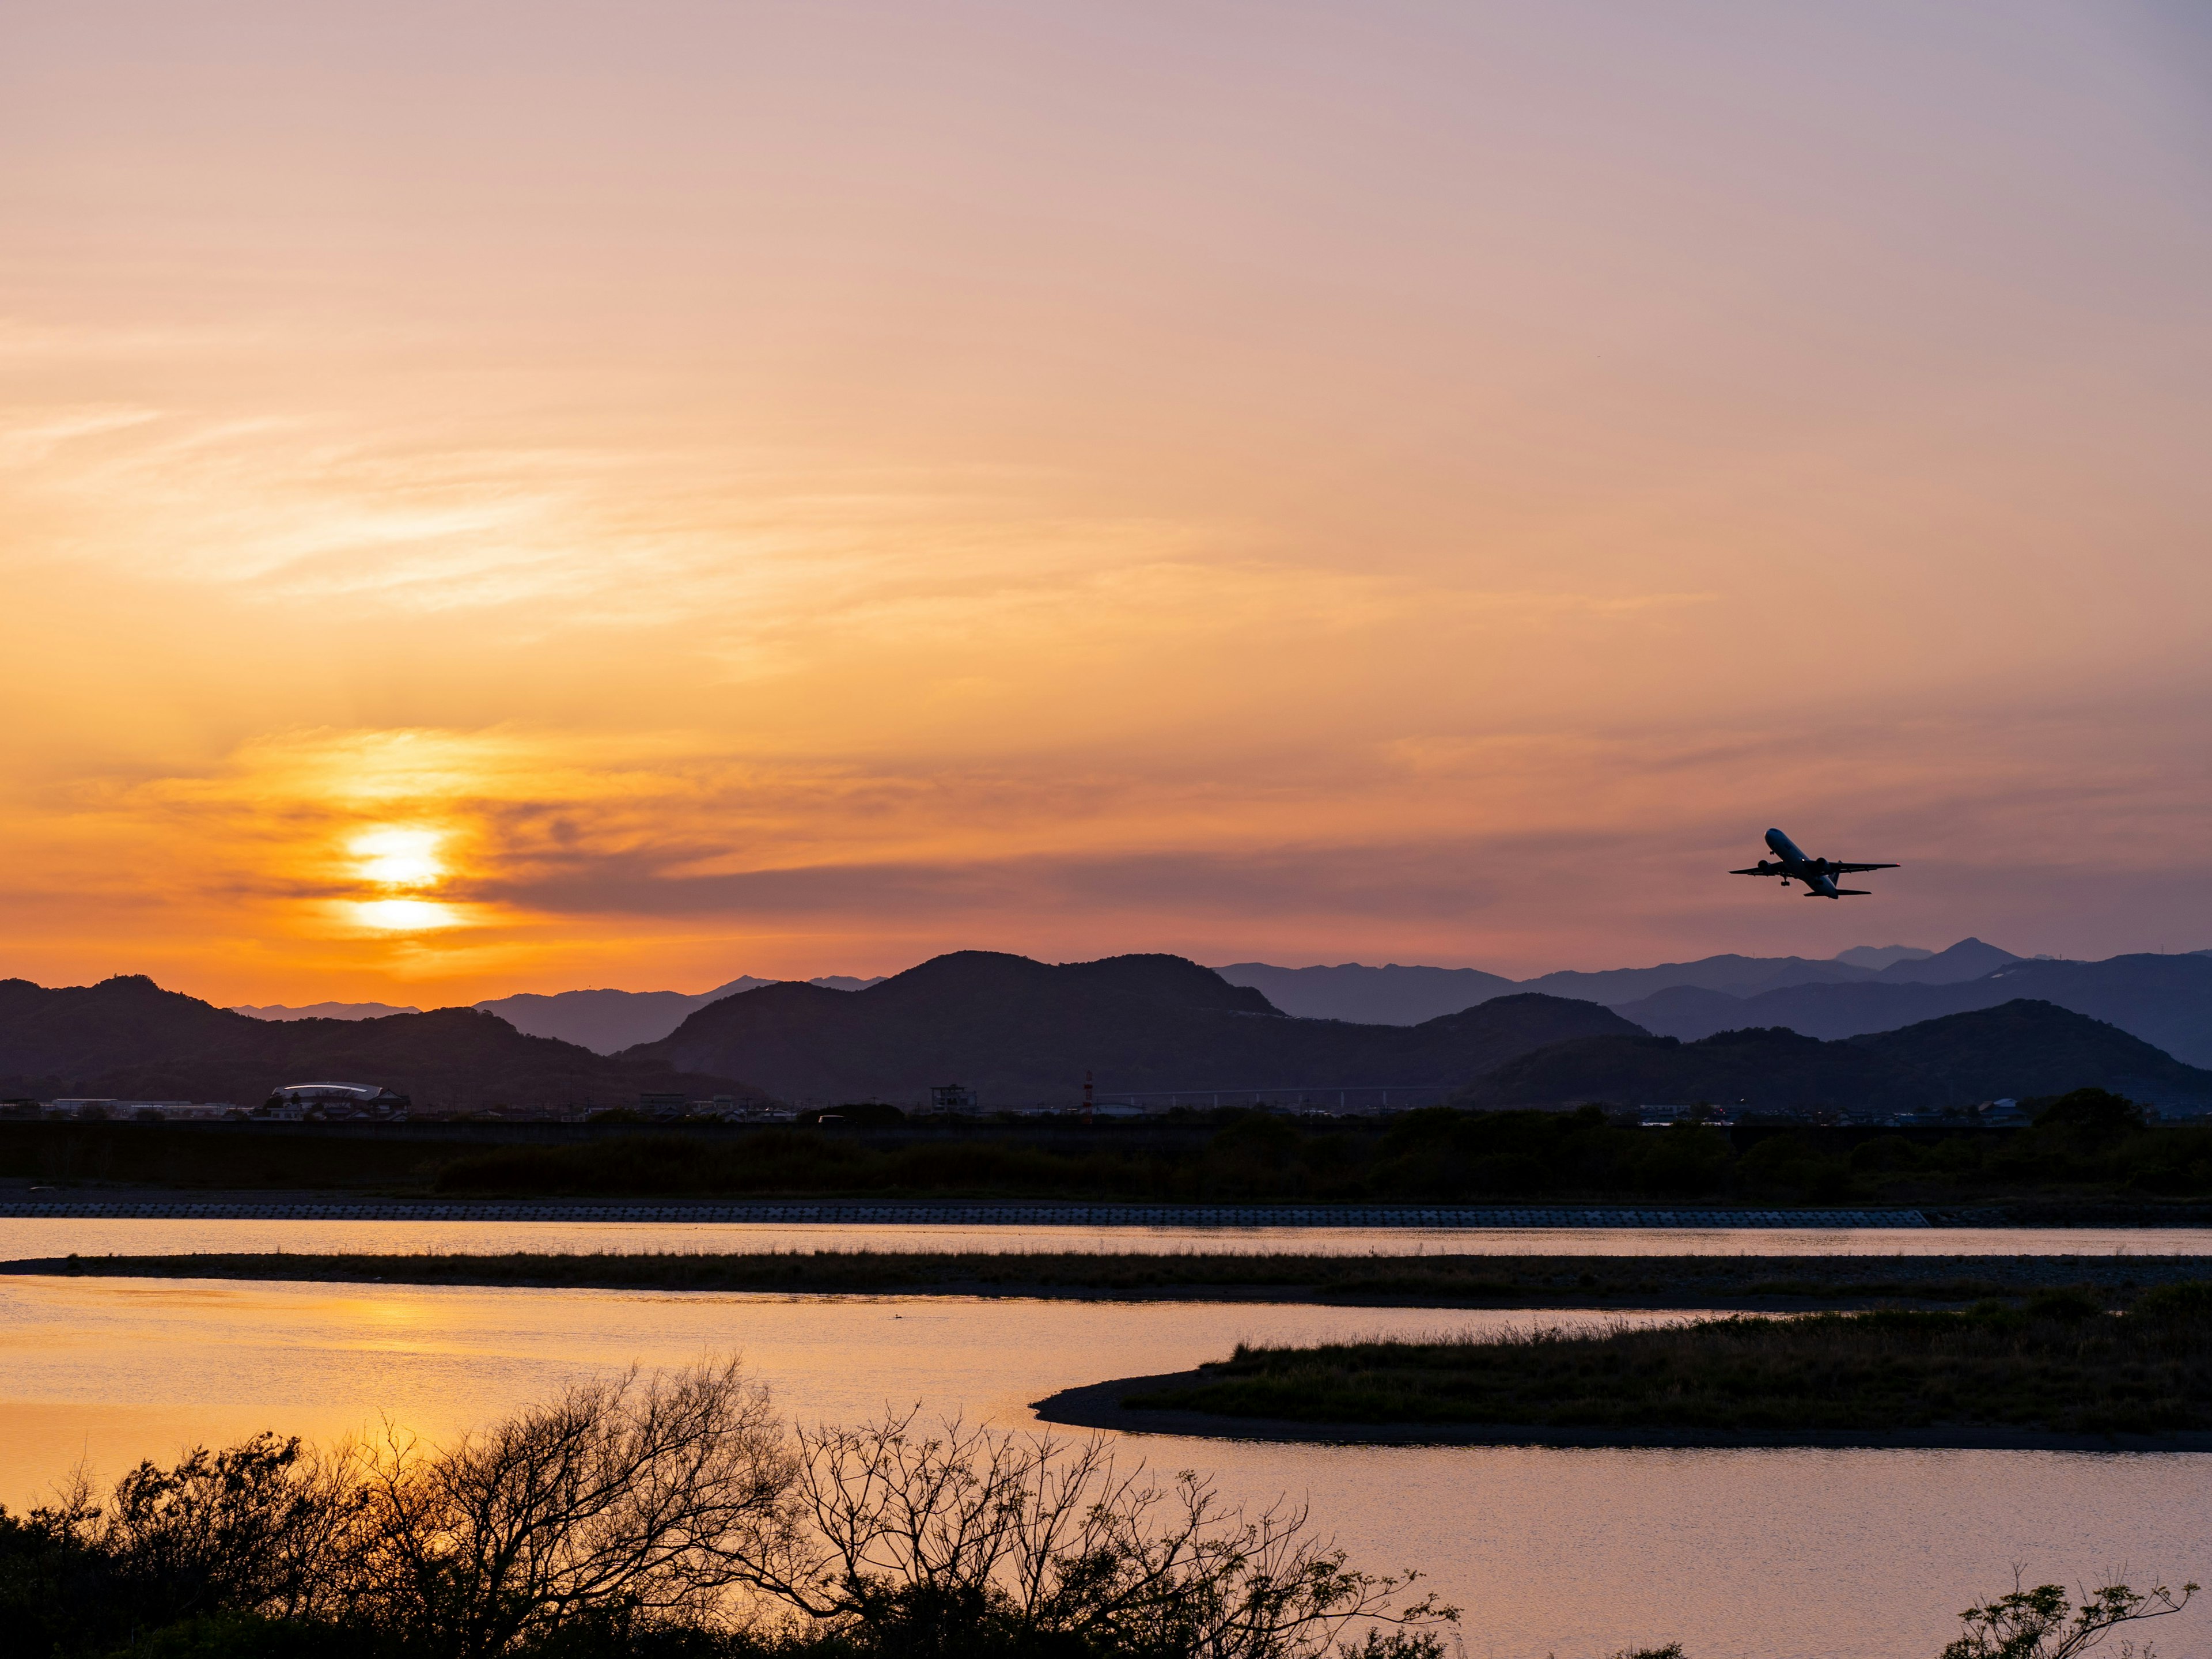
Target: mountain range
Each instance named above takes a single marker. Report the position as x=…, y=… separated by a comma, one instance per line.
x=1018, y=1031
x=1015, y=1030
x=2021, y=1048
x=2165, y=1000
x=1021, y=1033
x=603, y=1021
x=126, y=1038
x=325, y=1010
x=607, y=1021
x=1395, y=995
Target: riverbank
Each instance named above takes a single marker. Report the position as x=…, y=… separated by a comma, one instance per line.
x=31, y=1199
x=1751, y=1283
x=937, y=1213
x=1101, y=1405
x=2059, y=1370
x=1358, y=1169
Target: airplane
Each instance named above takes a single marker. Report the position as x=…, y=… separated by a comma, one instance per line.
x=1819, y=875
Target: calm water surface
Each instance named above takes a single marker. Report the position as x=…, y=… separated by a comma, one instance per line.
x=42, y=1237
x=1779, y=1554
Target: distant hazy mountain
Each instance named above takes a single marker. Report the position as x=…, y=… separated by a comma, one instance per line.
x=324, y=1011
x=2020, y=1049
x=606, y=1022
x=1968, y=959
x=1020, y=1032
x=129, y=1039
x=1395, y=995
x=1388, y=995
x=1881, y=955
x=2165, y=1000
x=1738, y=976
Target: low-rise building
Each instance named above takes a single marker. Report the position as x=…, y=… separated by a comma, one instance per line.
x=297, y=1102
x=91, y=1110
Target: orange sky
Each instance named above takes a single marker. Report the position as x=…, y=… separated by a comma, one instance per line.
x=502, y=497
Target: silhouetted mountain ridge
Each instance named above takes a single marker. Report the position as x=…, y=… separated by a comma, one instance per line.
x=2019, y=1049
x=1388, y=995
x=1399, y=996
x=2165, y=1000
x=1020, y=1031
x=1970, y=958
x=127, y=1038
x=323, y=1009
x=608, y=1021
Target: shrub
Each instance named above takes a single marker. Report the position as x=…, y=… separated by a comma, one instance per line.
x=677, y=1518
x=1887, y=1154
x=2192, y=1300
x=2092, y=1120
x=2069, y=1305
x=1790, y=1162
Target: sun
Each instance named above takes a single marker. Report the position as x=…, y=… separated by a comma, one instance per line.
x=403, y=863
x=404, y=915
x=394, y=857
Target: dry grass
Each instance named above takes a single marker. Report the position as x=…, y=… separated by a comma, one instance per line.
x=2061, y=1365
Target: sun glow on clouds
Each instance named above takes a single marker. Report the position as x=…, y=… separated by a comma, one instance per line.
x=1418, y=488
x=401, y=860
x=404, y=915
x=397, y=857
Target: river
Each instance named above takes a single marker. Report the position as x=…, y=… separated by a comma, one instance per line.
x=1780, y=1554
x=21, y=1237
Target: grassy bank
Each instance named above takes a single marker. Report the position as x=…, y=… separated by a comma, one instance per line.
x=2061, y=1363
x=1419, y=1280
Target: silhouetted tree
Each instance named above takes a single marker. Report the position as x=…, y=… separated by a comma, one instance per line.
x=2035, y=1624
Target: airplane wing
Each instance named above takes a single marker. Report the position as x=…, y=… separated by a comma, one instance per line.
x=1755, y=873
x=1836, y=869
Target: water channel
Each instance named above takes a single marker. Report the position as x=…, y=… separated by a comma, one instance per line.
x=35, y=1236
x=1781, y=1554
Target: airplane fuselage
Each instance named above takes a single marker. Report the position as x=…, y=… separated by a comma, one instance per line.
x=1796, y=866
x=1792, y=863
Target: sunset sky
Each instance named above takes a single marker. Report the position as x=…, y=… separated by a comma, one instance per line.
x=501, y=496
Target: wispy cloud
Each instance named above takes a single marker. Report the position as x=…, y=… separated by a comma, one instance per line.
x=1106, y=483
x=551, y=840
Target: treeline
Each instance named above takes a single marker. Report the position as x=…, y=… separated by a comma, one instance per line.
x=1250, y=1156
x=2086, y=1144
x=678, y=1518
x=2087, y=1141
x=187, y=1155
